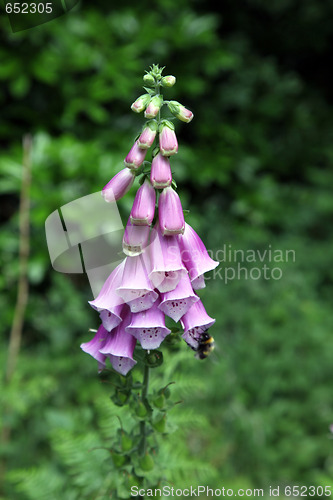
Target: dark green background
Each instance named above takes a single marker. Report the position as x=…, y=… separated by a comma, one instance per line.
x=254, y=168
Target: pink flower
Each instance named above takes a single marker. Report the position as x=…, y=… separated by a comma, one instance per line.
x=119, y=185
x=178, y=301
x=195, y=257
x=135, y=157
x=148, y=327
x=136, y=289
x=119, y=347
x=148, y=135
x=108, y=303
x=166, y=265
x=195, y=322
x=160, y=174
x=168, y=140
x=93, y=346
x=182, y=113
x=170, y=213
x=135, y=239
x=143, y=208
x=154, y=106
x=141, y=103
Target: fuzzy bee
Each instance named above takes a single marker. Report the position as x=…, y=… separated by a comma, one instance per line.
x=206, y=346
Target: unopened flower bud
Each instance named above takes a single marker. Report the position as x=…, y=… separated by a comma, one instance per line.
x=168, y=81
x=141, y=103
x=149, y=79
x=119, y=185
x=160, y=174
x=147, y=463
x=154, y=106
x=143, y=208
x=135, y=157
x=170, y=213
x=180, y=112
x=167, y=139
x=159, y=423
x=148, y=135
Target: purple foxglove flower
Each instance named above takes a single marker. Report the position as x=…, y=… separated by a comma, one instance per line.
x=135, y=157
x=170, y=213
x=143, y=209
x=168, y=81
x=195, y=256
x=93, y=346
x=108, y=303
x=118, y=186
x=148, y=327
x=135, y=239
x=178, y=301
x=141, y=103
x=180, y=112
x=166, y=265
x=168, y=140
x=148, y=135
x=195, y=322
x=136, y=289
x=160, y=174
x=119, y=347
x=154, y=106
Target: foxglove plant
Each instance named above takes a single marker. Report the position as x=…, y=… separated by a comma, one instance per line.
x=165, y=262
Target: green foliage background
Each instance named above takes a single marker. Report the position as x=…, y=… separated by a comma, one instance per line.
x=255, y=169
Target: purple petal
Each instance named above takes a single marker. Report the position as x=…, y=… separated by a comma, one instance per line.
x=136, y=289
x=120, y=347
x=166, y=265
x=160, y=175
x=93, y=346
x=194, y=254
x=135, y=239
x=195, y=322
x=178, y=301
x=135, y=157
x=108, y=302
x=149, y=327
x=168, y=141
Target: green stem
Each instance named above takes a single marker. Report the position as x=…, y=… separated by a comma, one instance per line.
x=144, y=393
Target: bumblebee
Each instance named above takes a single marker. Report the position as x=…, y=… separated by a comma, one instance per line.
x=206, y=346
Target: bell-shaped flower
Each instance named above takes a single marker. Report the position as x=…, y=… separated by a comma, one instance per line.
x=166, y=265
x=136, y=289
x=143, y=208
x=154, y=106
x=93, y=346
x=194, y=323
x=135, y=239
x=140, y=103
x=167, y=139
x=119, y=185
x=148, y=135
x=177, y=302
x=148, y=327
x=195, y=256
x=119, y=347
x=135, y=157
x=108, y=303
x=170, y=213
x=180, y=112
x=160, y=174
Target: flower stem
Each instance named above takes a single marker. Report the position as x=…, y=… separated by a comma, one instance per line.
x=145, y=384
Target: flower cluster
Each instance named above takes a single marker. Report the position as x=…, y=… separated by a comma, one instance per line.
x=165, y=258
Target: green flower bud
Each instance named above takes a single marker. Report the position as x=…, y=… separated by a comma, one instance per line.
x=168, y=81
x=146, y=463
x=118, y=459
x=126, y=442
x=159, y=423
x=159, y=401
x=141, y=103
x=149, y=79
x=141, y=410
x=180, y=111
